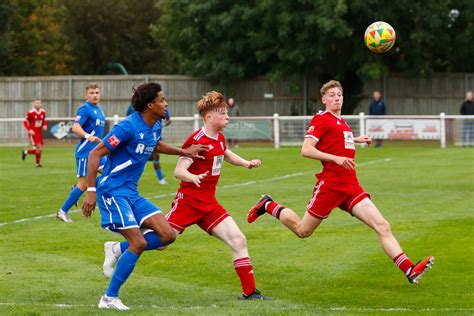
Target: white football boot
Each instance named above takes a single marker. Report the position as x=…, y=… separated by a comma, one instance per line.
x=110, y=259
x=112, y=303
x=61, y=215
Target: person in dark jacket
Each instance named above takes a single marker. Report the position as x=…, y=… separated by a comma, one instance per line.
x=467, y=108
x=377, y=107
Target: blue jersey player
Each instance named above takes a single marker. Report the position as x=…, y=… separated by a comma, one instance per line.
x=89, y=127
x=155, y=156
x=128, y=146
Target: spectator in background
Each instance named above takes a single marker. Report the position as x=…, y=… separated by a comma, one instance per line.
x=377, y=107
x=467, y=108
x=233, y=110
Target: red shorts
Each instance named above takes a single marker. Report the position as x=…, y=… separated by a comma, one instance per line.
x=329, y=195
x=36, y=139
x=186, y=211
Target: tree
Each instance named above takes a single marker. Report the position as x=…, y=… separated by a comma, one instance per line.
x=104, y=32
x=226, y=40
x=37, y=44
x=6, y=12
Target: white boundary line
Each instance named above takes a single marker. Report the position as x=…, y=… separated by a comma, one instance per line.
x=329, y=309
x=292, y=175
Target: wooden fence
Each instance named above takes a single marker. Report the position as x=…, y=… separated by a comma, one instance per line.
x=62, y=95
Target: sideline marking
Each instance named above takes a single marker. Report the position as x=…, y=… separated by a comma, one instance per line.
x=298, y=174
x=332, y=309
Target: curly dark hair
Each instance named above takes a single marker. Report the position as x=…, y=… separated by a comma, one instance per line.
x=144, y=94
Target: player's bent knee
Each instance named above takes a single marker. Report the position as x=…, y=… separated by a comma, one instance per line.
x=168, y=237
x=239, y=242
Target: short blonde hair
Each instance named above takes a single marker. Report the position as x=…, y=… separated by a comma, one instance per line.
x=211, y=101
x=329, y=85
x=92, y=85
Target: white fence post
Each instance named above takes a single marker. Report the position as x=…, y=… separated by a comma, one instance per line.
x=442, y=130
x=196, y=122
x=276, y=130
x=116, y=119
x=362, y=127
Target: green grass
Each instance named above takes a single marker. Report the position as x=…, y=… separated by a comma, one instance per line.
x=425, y=192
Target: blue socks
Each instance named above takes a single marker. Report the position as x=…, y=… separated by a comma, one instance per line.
x=72, y=199
x=125, y=266
x=152, y=242
x=159, y=174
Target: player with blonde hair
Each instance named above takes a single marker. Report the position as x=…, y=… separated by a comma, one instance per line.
x=329, y=139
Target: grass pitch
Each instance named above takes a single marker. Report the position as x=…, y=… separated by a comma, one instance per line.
x=49, y=267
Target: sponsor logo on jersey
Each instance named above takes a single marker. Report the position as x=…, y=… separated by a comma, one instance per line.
x=108, y=201
x=310, y=130
x=217, y=165
x=78, y=118
x=114, y=141
x=211, y=147
x=141, y=135
x=348, y=140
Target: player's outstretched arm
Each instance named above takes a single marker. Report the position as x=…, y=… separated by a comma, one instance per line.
x=309, y=151
x=89, y=203
x=192, y=151
x=182, y=173
x=363, y=139
x=235, y=159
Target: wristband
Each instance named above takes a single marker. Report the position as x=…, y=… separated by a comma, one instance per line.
x=87, y=135
x=91, y=189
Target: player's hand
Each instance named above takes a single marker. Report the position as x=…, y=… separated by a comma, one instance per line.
x=194, y=150
x=254, y=163
x=88, y=205
x=94, y=139
x=31, y=132
x=196, y=178
x=45, y=128
x=363, y=139
x=345, y=162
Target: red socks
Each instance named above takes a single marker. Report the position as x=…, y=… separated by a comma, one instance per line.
x=243, y=267
x=38, y=157
x=31, y=151
x=274, y=209
x=403, y=262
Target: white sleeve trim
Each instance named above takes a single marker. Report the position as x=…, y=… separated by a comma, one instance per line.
x=313, y=137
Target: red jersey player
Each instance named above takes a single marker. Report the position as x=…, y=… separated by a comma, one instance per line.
x=329, y=139
x=34, y=123
x=195, y=201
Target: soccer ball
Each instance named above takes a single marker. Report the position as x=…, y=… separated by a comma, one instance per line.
x=379, y=37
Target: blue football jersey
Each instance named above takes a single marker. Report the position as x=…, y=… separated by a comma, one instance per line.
x=92, y=120
x=131, y=143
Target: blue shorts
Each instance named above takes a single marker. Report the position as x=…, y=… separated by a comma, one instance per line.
x=81, y=166
x=122, y=212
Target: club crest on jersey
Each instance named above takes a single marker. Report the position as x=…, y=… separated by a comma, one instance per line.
x=338, y=123
x=114, y=141
x=310, y=130
x=130, y=216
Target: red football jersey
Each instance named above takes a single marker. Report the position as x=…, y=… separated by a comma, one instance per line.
x=35, y=120
x=212, y=164
x=333, y=136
